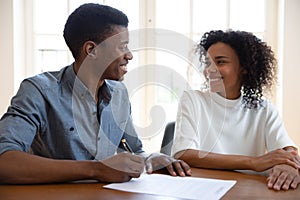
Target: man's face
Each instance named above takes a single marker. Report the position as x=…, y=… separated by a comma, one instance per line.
x=116, y=54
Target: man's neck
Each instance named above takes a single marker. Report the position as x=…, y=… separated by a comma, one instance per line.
x=88, y=78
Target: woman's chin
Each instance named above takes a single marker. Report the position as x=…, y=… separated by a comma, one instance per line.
x=219, y=88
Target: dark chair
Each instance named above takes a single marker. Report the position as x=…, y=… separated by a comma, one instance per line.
x=167, y=141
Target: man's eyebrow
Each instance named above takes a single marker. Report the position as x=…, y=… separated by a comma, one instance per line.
x=124, y=41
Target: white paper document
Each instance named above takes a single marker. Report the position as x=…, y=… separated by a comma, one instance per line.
x=179, y=187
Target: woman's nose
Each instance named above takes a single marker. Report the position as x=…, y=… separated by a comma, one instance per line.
x=211, y=68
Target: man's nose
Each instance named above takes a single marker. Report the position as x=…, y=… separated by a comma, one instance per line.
x=128, y=55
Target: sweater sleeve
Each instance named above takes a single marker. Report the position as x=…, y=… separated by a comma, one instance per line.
x=276, y=134
x=186, y=134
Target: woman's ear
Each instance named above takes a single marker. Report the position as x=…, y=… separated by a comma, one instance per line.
x=244, y=71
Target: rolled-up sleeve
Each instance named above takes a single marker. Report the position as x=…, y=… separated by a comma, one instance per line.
x=21, y=122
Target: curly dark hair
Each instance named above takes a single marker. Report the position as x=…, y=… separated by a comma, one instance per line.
x=91, y=22
x=257, y=61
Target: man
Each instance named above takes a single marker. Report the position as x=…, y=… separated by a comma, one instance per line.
x=68, y=125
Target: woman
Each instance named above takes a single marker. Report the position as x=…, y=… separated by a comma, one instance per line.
x=231, y=126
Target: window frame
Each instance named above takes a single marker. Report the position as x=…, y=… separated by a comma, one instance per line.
x=147, y=13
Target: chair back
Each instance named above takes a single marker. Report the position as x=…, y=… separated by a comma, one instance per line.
x=167, y=141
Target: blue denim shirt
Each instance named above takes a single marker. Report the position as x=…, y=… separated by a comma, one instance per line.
x=54, y=115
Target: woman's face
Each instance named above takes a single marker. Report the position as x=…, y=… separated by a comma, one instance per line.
x=223, y=71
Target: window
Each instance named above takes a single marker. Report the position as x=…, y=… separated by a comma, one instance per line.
x=163, y=65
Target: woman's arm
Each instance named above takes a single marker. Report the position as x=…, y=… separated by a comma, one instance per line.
x=202, y=159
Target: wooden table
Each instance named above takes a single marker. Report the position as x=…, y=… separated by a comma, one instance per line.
x=247, y=187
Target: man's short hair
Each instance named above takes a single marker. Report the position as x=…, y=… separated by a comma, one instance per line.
x=91, y=22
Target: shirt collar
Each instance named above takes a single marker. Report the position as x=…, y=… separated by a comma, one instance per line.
x=226, y=102
x=77, y=85
x=104, y=92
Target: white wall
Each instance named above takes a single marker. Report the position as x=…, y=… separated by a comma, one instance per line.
x=12, y=49
x=6, y=54
x=291, y=68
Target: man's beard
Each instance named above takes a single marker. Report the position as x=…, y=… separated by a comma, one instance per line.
x=121, y=79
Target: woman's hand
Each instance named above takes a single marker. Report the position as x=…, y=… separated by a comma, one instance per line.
x=175, y=167
x=274, y=158
x=283, y=177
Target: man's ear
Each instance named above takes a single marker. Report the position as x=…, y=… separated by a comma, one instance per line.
x=90, y=49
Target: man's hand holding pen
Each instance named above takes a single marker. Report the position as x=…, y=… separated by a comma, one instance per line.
x=122, y=167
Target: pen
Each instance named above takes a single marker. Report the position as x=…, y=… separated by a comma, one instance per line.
x=126, y=146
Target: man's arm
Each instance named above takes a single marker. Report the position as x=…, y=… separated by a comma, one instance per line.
x=202, y=159
x=18, y=167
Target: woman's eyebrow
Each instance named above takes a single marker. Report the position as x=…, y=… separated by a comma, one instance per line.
x=218, y=57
